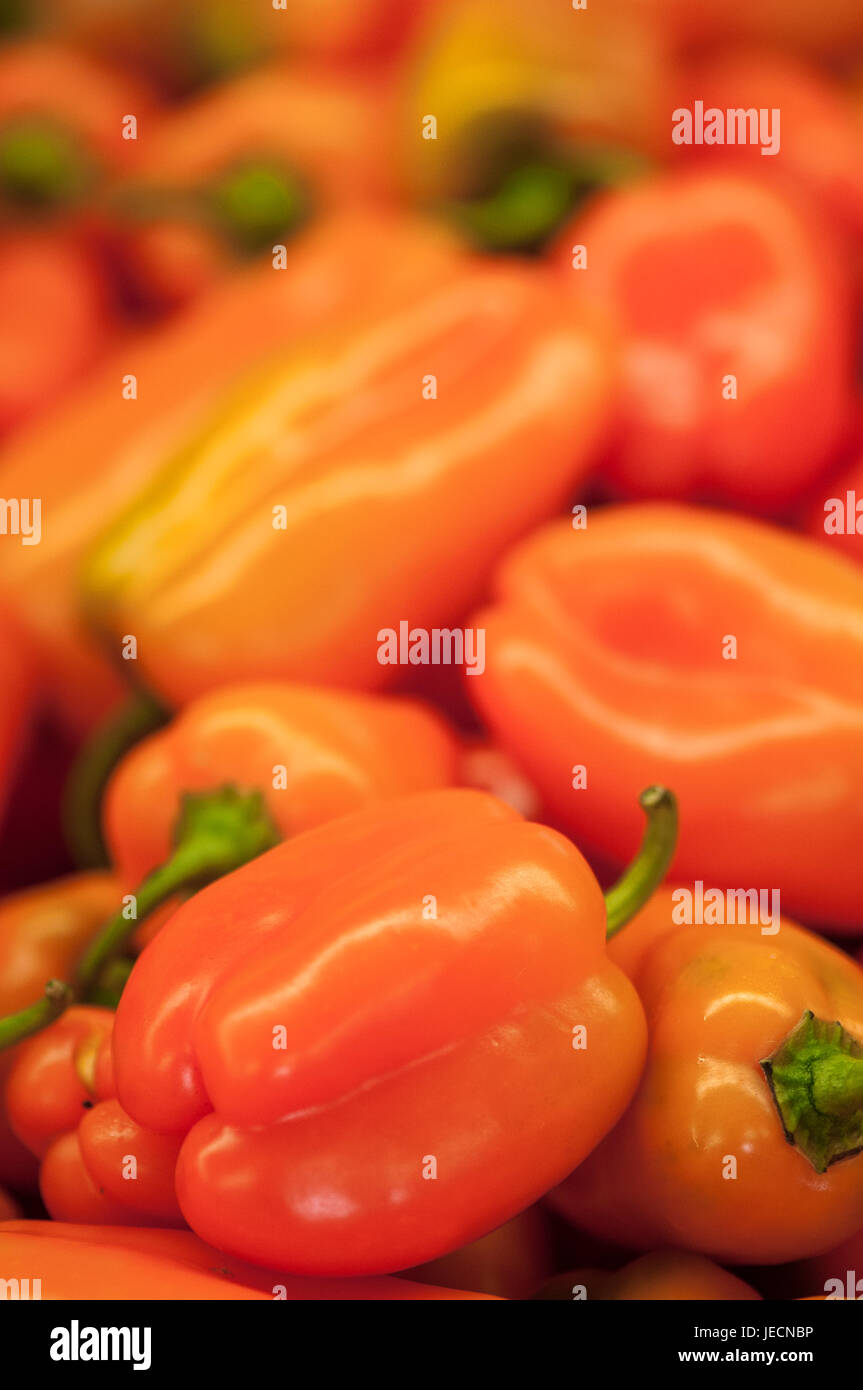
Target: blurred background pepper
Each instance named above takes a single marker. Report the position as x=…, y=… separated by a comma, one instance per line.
x=710, y=652
x=240, y=169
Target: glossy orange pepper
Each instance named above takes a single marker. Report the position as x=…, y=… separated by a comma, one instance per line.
x=735, y=314
x=658, y=1277
x=96, y=1165
x=87, y=1263
x=745, y=1137
x=707, y=651
x=58, y=316
x=91, y=457
x=314, y=755
x=424, y=410
x=61, y=126
x=42, y=934
x=231, y=174
x=818, y=136
x=370, y=1040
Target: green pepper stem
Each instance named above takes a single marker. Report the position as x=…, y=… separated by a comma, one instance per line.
x=41, y=165
x=533, y=198
x=16, y=1027
x=816, y=1079
x=251, y=205
x=141, y=715
x=217, y=832
x=639, y=882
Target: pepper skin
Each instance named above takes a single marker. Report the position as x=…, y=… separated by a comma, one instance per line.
x=231, y=174
x=820, y=130
x=57, y=318
x=605, y=650
x=42, y=933
x=334, y=454
x=60, y=1098
x=91, y=457
x=659, y=1277
x=338, y=751
x=720, y=1001
x=718, y=283
x=407, y=1045
x=85, y=1263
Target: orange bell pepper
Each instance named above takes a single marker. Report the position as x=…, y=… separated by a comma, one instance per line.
x=57, y=318
x=42, y=933
x=707, y=651
x=745, y=1137
x=730, y=301
x=96, y=1165
x=336, y=451
x=117, y=1262
x=234, y=172
x=313, y=754
x=90, y=458
x=368, y=1056
x=658, y=1277
x=61, y=125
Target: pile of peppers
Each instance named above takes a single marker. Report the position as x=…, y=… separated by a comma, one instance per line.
x=431, y=650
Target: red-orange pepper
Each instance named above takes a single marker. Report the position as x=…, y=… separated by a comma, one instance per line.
x=43, y=931
x=235, y=172
x=387, y=1036
x=91, y=457
x=735, y=315
x=817, y=134
x=745, y=1137
x=96, y=1165
x=707, y=651
x=74, y=1262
